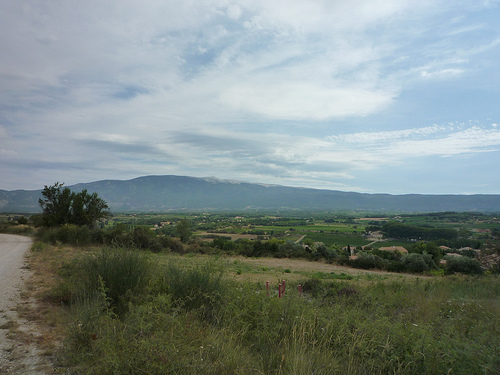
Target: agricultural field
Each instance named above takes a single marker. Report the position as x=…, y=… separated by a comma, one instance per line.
x=332, y=229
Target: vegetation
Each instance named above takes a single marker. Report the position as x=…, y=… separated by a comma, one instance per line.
x=163, y=294
x=314, y=236
x=62, y=206
x=189, y=317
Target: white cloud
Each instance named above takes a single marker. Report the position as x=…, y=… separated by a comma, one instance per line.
x=305, y=101
x=280, y=74
x=441, y=74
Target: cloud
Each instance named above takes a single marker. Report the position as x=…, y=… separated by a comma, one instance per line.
x=442, y=141
x=279, y=90
x=305, y=101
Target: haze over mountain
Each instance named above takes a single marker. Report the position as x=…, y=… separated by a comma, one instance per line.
x=176, y=193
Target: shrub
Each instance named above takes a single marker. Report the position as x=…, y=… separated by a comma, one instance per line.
x=22, y=220
x=368, y=261
x=70, y=234
x=120, y=273
x=172, y=244
x=418, y=262
x=200, y=288
x=463, y=265
x=313, y=286
x=13, y=227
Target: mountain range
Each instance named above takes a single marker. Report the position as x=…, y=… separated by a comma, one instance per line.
x=182, y=193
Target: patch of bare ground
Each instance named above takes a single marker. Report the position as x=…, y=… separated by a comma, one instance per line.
x=33, y=327
x=19, y=352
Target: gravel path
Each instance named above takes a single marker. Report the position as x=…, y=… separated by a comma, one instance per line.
x=17, y=356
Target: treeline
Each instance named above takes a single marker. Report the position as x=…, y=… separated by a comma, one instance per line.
x=417, y=233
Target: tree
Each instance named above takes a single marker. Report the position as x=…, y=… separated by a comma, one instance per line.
x=62, y=206
x=56, y=206
x=428, y=248
x=416, y=262
x=88, y=208
x=183, y=228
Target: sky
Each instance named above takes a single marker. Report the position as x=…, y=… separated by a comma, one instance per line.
x=373, y=96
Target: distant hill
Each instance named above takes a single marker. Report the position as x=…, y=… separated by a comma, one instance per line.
x=176, y=193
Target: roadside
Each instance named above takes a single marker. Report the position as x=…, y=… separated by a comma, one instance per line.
x=18, y=336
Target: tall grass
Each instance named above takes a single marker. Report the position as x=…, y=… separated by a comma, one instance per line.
x=193, y=320
x=201, y=288
x=113, y=274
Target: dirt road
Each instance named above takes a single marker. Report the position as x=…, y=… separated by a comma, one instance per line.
x=16, y=356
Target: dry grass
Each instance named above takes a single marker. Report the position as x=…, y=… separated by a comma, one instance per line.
x=46, y=319
x=260, y=270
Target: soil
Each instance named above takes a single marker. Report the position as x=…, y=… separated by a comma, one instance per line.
x=18, y=351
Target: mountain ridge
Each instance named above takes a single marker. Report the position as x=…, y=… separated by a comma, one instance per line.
x=158, y=193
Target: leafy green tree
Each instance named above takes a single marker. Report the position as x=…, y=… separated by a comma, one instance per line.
x=463, y=265
x=62, y=206
x=56, y=205
x=415, y=262
x=183, y=228
x=428, y=248
x=87, y=208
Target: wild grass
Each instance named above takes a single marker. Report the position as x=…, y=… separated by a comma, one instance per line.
x=190, y=318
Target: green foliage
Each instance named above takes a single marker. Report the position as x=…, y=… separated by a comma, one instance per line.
x=23, y=220
x=367, y=261
x=428, y=248
x=190, y=320
x=118, y=274
x=418, y=263
x=68, y=234
x=410, y=232
x=62, y=206
x=201, y=288
x=465, y=265
x=183, y=228
x=15, y=228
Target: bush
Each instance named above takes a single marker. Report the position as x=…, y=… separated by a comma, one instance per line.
x=368, y=261
x=22, y=220
x=418, y=263
x=69, y=234
x=201, y=288
x=463, y=265
x=313, y=286
x=121, y=274
x=13, y=227
x=172, y=244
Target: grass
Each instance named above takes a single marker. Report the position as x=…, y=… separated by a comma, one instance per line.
x=340, y=239
x=196, y=315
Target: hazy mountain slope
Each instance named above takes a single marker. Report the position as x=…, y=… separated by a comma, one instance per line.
x=161, y=193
